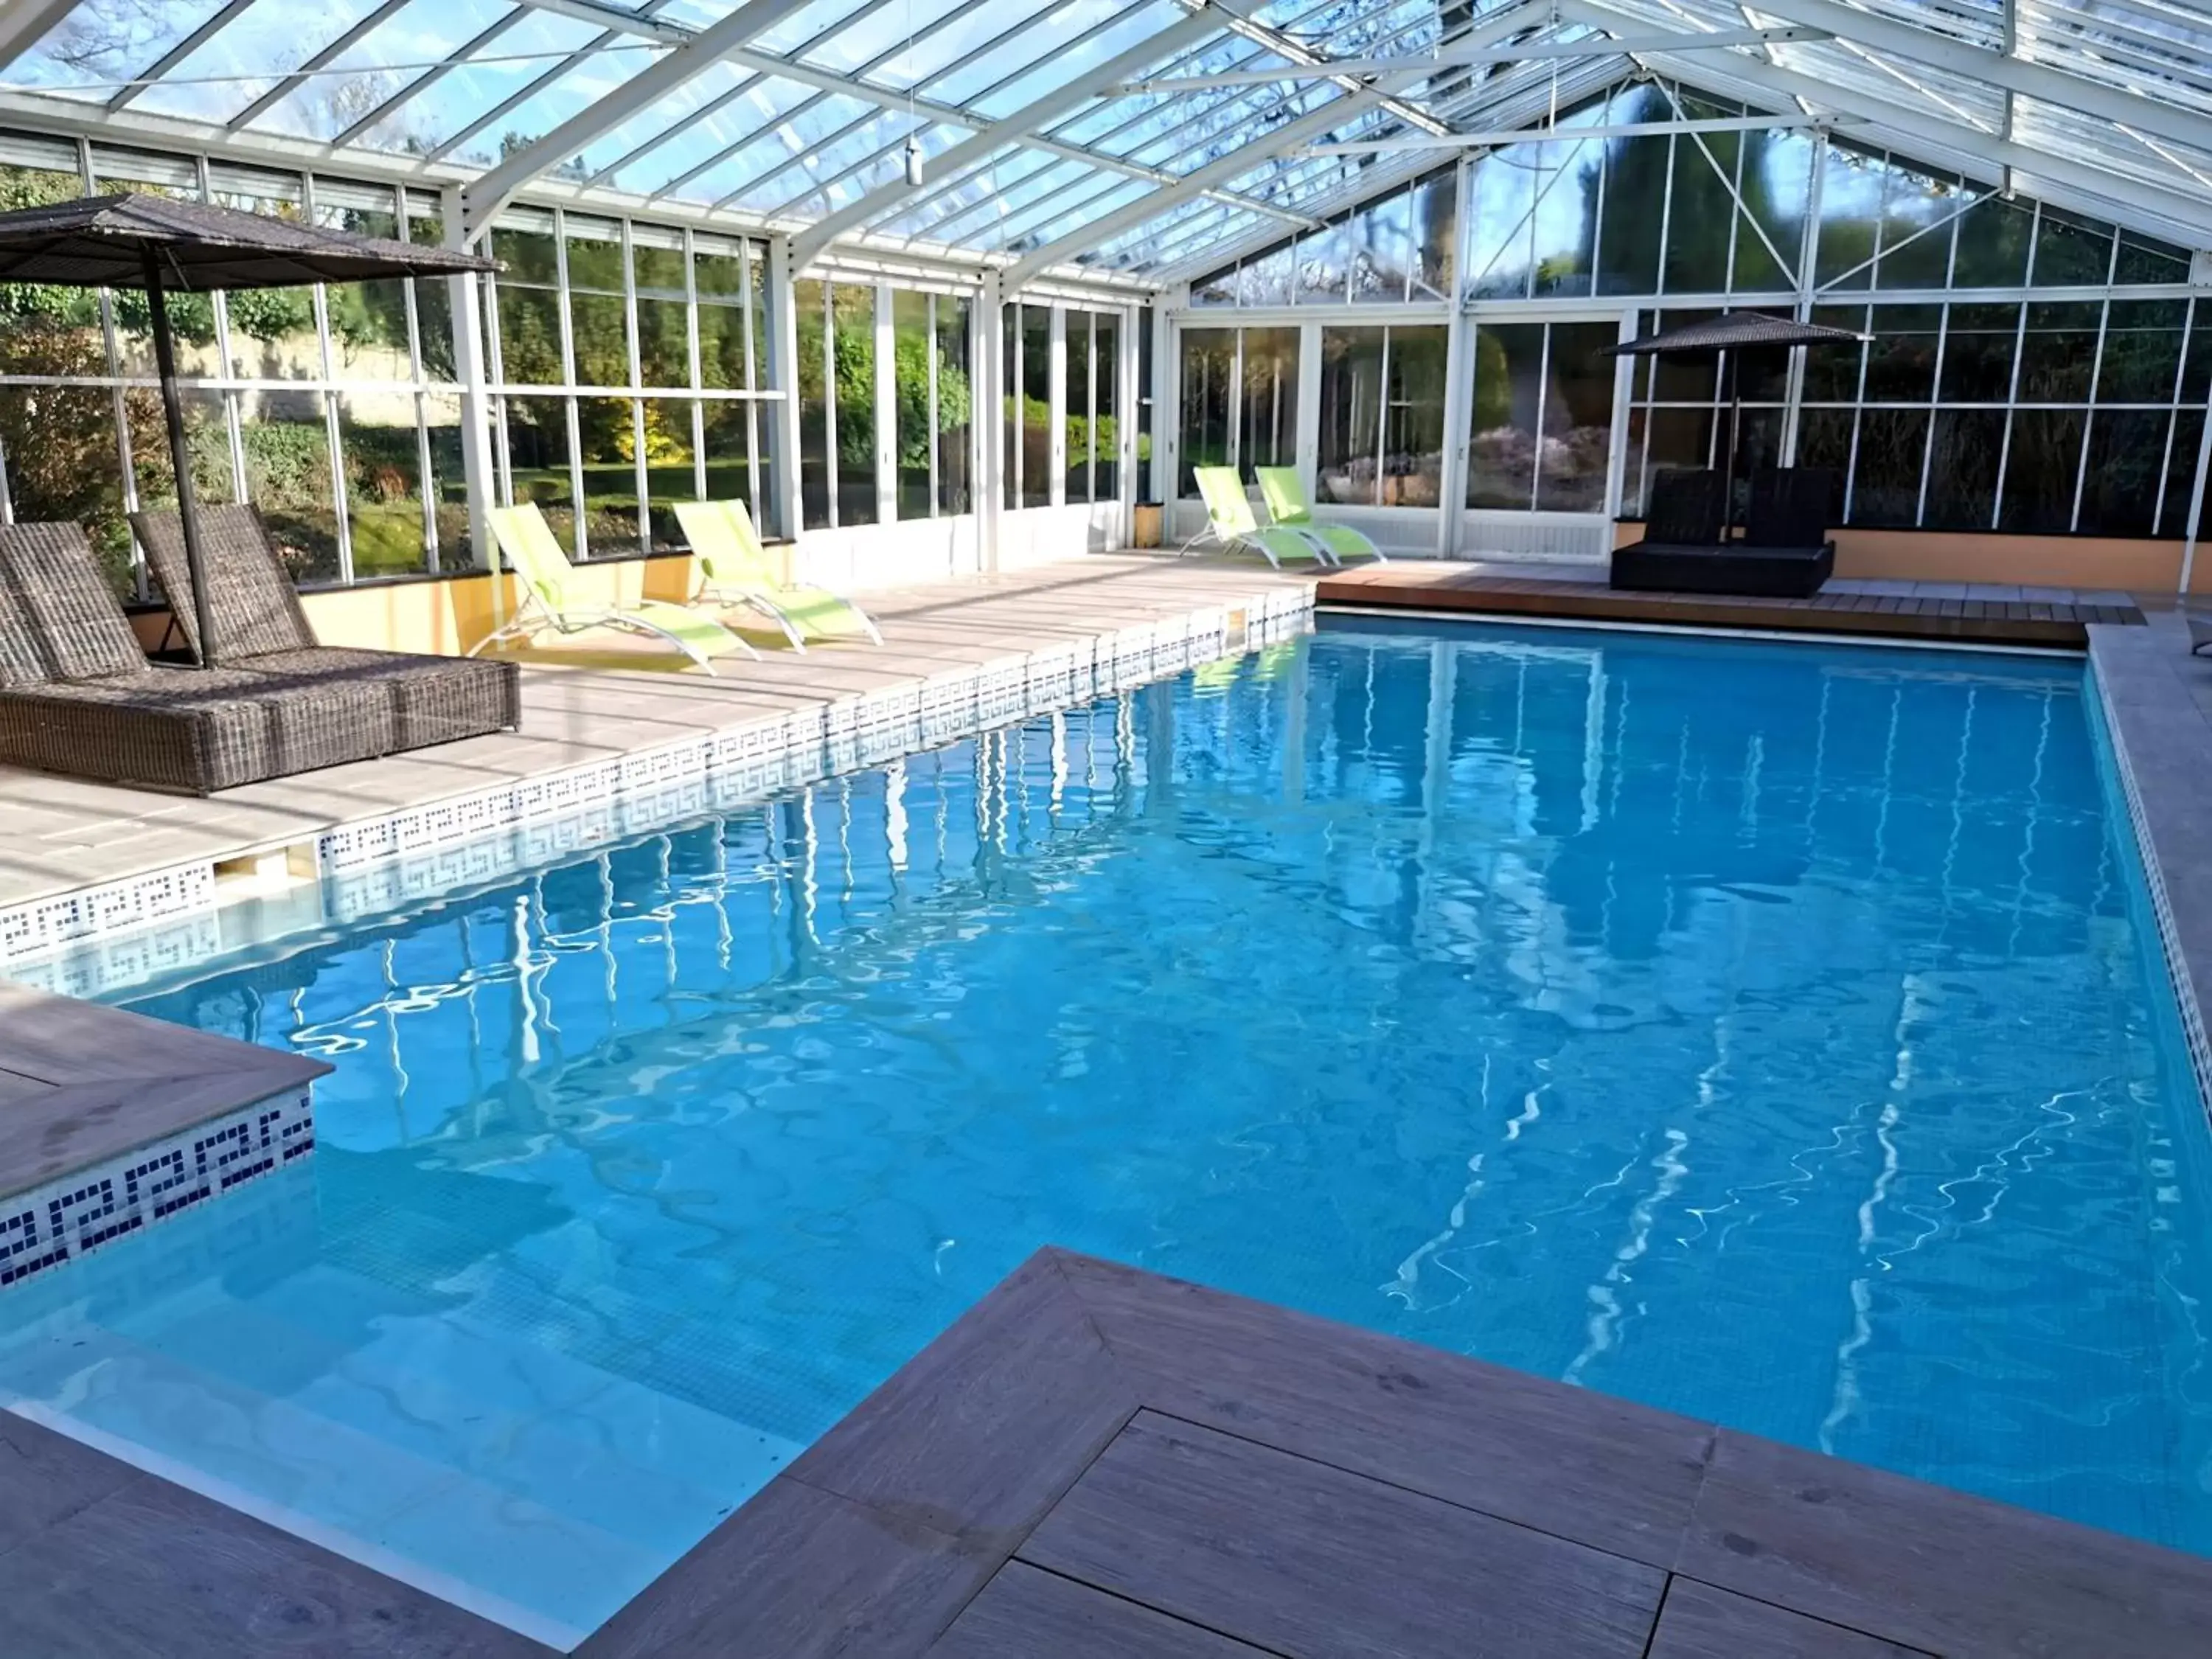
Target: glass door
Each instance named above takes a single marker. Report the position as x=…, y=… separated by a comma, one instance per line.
x=1542, y=427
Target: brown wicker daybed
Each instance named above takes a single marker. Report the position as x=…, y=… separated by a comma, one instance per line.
x=261, y=627
x=78, y=697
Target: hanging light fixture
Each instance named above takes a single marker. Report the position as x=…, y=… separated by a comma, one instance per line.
x=914, y=161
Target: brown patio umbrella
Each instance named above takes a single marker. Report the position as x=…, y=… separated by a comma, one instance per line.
x=155, y=243
x=1734, y=332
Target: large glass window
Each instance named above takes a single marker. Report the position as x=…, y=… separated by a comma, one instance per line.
x=1400, y=246
x=1541, y=432
x=1381, y=431
x=1207, y=382
x=1081, y=371
x=932, y=421
x=956, y=402
x=1036, y=406
x=1240, y=399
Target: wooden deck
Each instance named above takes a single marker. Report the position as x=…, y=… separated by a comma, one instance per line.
x=1095, y=1462
x=1098, y=1463
x=1927, y=610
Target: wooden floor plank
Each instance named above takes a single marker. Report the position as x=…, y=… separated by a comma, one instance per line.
x=1936, y=1569
x=1028, y=1614
x=1305, y=1559
x=1700, y=1621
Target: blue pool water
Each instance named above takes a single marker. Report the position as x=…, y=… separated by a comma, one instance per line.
x=1769, y=1032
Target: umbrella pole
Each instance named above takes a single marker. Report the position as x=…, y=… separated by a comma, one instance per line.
x=1735, y=436
x=173, y=412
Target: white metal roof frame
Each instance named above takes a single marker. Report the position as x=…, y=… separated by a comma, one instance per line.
x=1049, y=144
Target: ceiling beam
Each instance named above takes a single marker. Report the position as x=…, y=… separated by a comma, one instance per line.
x=24, y=24
x=1566, y=134
x=980, y=144
x=487, y=195
x=2042, y=82
x=1454, y=58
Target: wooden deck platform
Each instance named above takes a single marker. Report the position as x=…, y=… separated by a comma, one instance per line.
x=1098, y=1463
x=1095, y=1462
x=1978, y=614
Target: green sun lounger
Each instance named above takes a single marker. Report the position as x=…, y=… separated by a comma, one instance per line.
x=1231, y=521
x=550, y=600
x=735, y=568
x=1285, y=496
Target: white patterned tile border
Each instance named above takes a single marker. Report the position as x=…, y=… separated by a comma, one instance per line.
x=397, y=858
x=43, y=1227
x=2169, y=936
x=113, y=907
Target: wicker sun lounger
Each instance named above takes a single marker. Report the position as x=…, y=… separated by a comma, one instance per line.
x=78, y=697
x=262, y=627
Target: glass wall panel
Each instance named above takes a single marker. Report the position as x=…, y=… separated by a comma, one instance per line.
x=1777, y=184
x=1701, y=219
x=914, y=427
x=1435, y=236
x=1509, y=400
x=1208, y=385
x=2043, y=468
x=1892, y=455
x=598, y=312
x=810, y=303
x=1105, y=389
x=1574, y=454
x=1500, y=236
x=853, y=322
x=1993, y=240
x=1564, y=225
x=955, y=405
x=1078, y=486
x=2071, y=252
x=2058, y=353
x=1963, y=459
x=1382, y=251
x=1635, y=205
x=1852, y=182
x=607, y=429
x=2173, y=515
x=1831, y=372
x=2121, y=476
x=1268, y=432
x=727, y=438
x=1978, y=345
x=1413, y=417
x=449, y=484
x=664, y=310
x=1036, y=406
x=2142, y=354
x=1919, y=213
x=669, y=474
x=384, y=515
x=1900, y=359
x=1010, y=422
x=528, y=288
x=1351, y=437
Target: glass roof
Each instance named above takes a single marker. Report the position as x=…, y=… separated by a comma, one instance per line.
x=797, y=115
